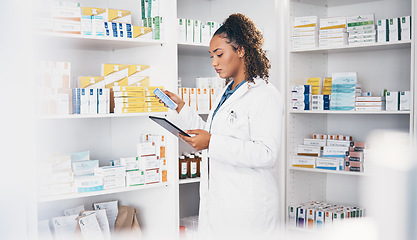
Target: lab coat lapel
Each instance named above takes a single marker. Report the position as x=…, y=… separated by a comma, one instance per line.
x=241, y=91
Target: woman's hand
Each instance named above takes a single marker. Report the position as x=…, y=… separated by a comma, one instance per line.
x=177, y=99
x=200, y=141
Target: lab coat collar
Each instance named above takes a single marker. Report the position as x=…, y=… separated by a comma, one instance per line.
x=241, y=91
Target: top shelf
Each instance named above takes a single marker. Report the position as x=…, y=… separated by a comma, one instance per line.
x=333, y=3
x=74, y=41
x=358, y=48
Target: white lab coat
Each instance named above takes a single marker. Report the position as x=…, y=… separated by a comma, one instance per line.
x=238, y=193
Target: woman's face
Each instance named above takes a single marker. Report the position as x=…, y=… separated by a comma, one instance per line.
x=226, y=61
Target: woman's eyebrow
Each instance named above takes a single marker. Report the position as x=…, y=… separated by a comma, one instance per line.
x=215, y=50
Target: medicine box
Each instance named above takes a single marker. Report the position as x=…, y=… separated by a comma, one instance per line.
x=394, y=29
x=328, y=163
x=189, y=30
x=135, y=178
x=329, y=151
x=315, y=142
x=302, y=217
x=152, y=176
x=383, y=30
x=84, y=168
x=404, y=101
x=405, y=28
x=293, y=215
x=88, y=184
x=303, y=161
x=392, y=101
x=308, y=21
x=331, y=23
x=306, y=150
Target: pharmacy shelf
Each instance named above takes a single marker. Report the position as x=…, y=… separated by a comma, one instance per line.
x=352, y=112
x=358, y=48
x=189, y=180
x=333, y=3
x=315, y=170
x=80, y=42
x=110, y=115
x=99, y=193
x=193, y=49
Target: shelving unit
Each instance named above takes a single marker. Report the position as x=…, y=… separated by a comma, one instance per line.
x=112, y=136
x=380, y=65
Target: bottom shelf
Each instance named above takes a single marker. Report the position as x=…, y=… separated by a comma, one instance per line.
x=98, y=193
x=189, y=180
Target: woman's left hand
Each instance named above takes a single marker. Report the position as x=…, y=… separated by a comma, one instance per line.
x=200, y=141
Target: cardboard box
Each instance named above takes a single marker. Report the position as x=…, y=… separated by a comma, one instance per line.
x=383, y=30
x=67, y=26
x=302, y=217
x=84, y=101
x=135, y=178
x=293, y=215
x=331, y=23
x=303, y=22
x=312, y=151
x=84, y=168
x=88, y=184
x=97, y=25
x=304, y=162
x=405, y=100
x=394, y=29
x=86, y=28
x=406, y=28
x=197, y=31
x=152, y=176
x=92, y=101
x=334, y=152
x=328, y=163
x=392, y=101
x=189, y=30
x=315, y=142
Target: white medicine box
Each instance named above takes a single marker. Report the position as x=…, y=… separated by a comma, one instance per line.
x=405, y=101
x=392, y=101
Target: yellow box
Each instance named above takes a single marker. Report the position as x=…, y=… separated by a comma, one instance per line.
x=107, y=69
x=149, y=94
x=121, y=82
x=141, y=104
x=117, y=15
x=129, y=94
x=140, y=110
x=130, y=100
x=140, y=31
x=139, y=70
x=327, y=82
x=91, y=82
x=315, y=82
x=315, y=90
x=142, y=81
x=90, y=11
x=152, y=99
x=128, y=89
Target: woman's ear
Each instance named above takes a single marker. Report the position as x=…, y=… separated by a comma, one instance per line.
x=241, y=52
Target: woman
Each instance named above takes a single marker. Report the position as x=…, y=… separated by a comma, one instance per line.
x=238, y=193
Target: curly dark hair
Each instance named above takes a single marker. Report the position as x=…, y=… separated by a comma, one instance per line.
x=241, y=31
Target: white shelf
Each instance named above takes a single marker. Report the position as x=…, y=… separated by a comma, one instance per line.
x=354, y=48
x=99, y=193
x=352, y=112
x=74, y=41
x=189, y=180
x=110, y=115
x=315, y=170
x=333, y=3
x=193, y=49
x=203, y=112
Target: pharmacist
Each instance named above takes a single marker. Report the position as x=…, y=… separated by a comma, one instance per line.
x=238, y=193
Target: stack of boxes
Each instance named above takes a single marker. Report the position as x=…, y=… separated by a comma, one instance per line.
x=151, y=17
x=361, y=29
x=53, y=88
x=305, y=32
x=134, y=175
x=84, y=180
x=113, y=176
x=149, y=162
x=136, y=100
x=65, y=17
x=343, y=91
x=330, y=152
x=333, y=32
x=55, y=176
x=301, y=97
x=194, y=31
x=319, y=101
x=394, y=29
x=369, y=103
x=90, y=101
x=314, y=215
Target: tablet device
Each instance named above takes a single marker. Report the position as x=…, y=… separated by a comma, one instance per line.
x=168, y=126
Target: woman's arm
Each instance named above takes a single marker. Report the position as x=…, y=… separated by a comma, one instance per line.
x=262, y=149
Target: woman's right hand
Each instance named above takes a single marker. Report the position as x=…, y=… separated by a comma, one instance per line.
x=177, y=99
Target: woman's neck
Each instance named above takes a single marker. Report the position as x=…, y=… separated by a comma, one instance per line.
x=240, y=77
